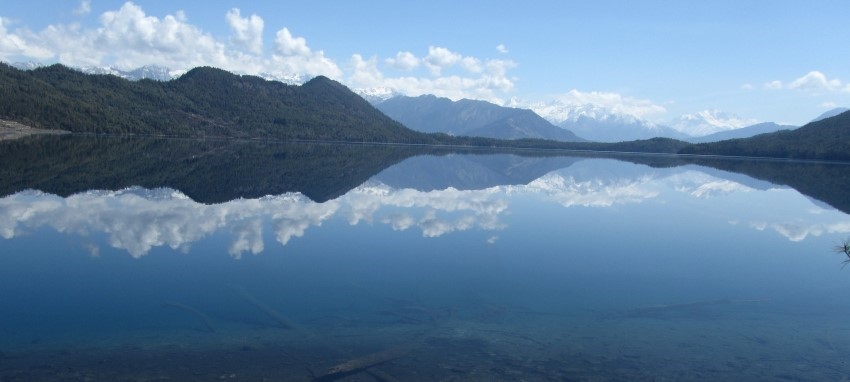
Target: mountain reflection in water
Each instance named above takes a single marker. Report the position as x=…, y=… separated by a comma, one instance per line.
x=343, y=262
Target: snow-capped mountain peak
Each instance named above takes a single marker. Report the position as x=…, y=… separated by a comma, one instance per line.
x=376, y=95
x=709, y=122
x=287, y=78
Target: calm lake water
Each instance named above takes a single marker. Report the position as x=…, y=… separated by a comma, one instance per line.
x=145, y=260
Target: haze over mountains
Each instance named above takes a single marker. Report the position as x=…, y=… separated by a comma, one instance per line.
x=466, y=117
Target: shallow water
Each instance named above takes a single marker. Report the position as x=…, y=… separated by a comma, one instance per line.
x=459, y=267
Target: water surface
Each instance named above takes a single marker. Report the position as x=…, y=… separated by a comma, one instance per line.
x=416, y=265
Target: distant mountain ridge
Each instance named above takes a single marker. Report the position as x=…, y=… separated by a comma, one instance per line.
x=709, y=122
x=744, y=132
x=831, y=113
x=466, y=117
x=825, y=139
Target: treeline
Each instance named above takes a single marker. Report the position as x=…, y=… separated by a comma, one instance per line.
x=208, y=102
x=203, y=102
x=827, y=139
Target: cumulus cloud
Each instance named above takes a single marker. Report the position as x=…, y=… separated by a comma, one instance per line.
x=480, y=79
x=774, y=85
x=815, y=81
x=501, y=48
x=247, y=31
x=293, y=55
x=19, y=44
x=127, y=38
x=83, y=9
x=439, y=58
x=812, y=82
x=404, y=61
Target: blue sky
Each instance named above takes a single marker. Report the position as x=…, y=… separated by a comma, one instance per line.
x=783, y=61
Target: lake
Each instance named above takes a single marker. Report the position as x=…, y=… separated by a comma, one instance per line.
x=152, y=259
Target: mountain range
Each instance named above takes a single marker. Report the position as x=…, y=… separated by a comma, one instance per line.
x=209, y=102
x=466, y=117
x=479, y=118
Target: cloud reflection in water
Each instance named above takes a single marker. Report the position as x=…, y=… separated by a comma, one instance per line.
x=137, y=219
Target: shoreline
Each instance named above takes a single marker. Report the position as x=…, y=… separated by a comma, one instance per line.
x=10, y=130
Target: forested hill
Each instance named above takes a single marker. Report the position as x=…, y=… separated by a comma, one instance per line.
x=203, y=102
x=826, y=139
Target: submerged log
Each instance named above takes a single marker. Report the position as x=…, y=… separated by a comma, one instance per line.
x=280, y=319
x=365, y=362
x=381, y=376
x=698, y=308
x=197, y=313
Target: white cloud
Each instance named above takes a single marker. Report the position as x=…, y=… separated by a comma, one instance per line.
x=404, y=61
x=247, y=32
x=19, y=43
x=774, y=85
x=439, y=58
x=291, y=46
x=813, y=82
x=501, y=48
x=747, y=86
x=482, y=79
x=83, y=9
x=294, y=56
x=597, y=105
x=128, y=38
x=829, y=105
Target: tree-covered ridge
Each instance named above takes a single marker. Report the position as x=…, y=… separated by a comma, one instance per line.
x=827, y=139
x=203, y=102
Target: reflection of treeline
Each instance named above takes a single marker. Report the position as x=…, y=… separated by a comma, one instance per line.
x=208, y=171
x=212, y=171
x=827, y=182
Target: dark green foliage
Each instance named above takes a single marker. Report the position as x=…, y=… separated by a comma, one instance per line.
x=203, y=102
x=827, y=139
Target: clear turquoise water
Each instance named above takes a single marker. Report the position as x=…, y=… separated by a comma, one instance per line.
x=564, y=269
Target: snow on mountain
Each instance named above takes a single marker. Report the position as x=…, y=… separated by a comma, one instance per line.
x=29, y=65
x=709, y=122
x=287, y=78
x=151, y=72
x=600, y=122
x=559, y=112
x=376, y=95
